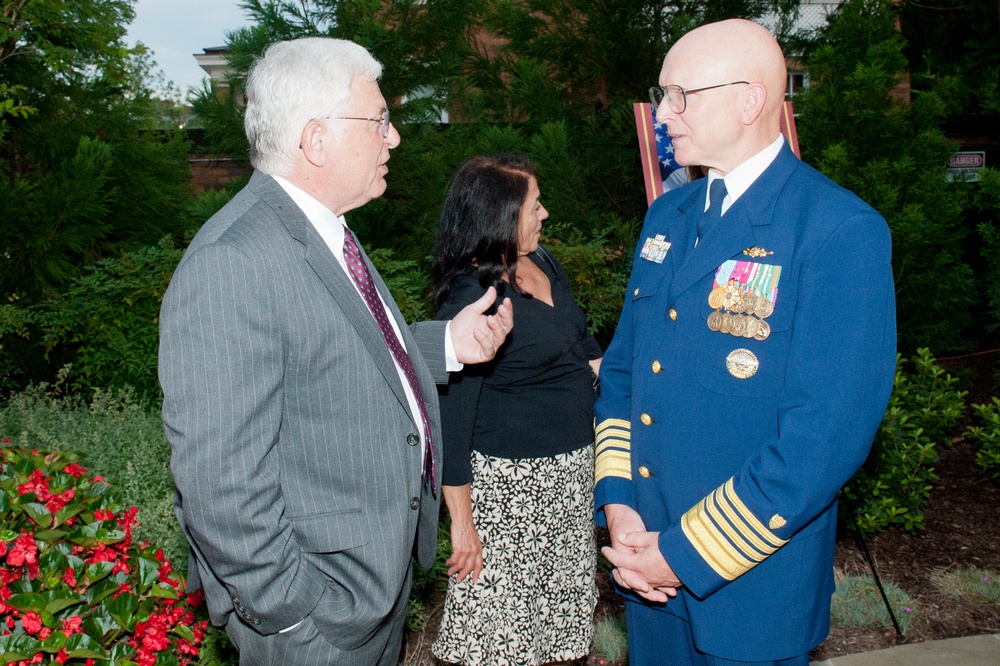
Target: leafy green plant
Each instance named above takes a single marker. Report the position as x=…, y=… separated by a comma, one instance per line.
x=106, y=322
x=988, y=436
x=858, y=603
x=976, y=585
x=893, y=485
x=75, y=588
x=115, y=433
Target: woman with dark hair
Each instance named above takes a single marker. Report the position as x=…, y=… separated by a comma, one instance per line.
x=518, y=469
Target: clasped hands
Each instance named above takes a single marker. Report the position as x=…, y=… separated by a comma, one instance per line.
x=635, y=554
x=477, y=335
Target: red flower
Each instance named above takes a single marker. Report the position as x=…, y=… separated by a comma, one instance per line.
x=24, y=553
x=44, y=633
x=72, y=625
x=31, y=622
x=3, y=548
x=74, y=470
x=70, y=577
x=62, y=656
x=122, y=589
x=104, y=514
x=185, y=647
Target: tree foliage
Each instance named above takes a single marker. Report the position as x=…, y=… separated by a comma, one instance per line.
x=892, y=154
x=79, y=180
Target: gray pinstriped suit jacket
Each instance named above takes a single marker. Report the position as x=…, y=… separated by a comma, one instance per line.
x=298, y=483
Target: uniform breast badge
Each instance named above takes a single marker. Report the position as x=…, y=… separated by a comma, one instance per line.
x=743, y=296
x=757, y=252
x=742, y=364
x=655, y=249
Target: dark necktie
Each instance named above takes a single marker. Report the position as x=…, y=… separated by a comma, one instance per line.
x=363, y=279
x=716, y=193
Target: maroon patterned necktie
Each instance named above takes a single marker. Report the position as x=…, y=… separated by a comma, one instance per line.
x=363, y=279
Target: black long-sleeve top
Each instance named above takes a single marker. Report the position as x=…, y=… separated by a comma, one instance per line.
x=536, y=397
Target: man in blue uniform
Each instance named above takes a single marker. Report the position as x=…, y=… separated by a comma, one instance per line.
x=747, y=377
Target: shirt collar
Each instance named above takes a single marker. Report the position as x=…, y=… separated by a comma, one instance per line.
x=742, y=177
x=329, y=225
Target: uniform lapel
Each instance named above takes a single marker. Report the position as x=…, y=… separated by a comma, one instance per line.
x=737, y=230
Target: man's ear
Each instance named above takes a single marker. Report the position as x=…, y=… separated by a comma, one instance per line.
x=754, y=102
x=315, y=142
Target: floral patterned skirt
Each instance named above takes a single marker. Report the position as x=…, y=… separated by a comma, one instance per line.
x=534, y=600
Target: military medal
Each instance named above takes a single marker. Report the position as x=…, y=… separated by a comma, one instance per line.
x=742, y=364
x=739, y=326
x=717, y=298
x=763, y=308
x=743, y=294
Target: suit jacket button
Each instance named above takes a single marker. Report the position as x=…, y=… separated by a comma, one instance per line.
x=636, y=292
x=413, y=439
x=657, y=367
x=643, y=471
x=673, y=314
x=646, y=419
x=414, y=503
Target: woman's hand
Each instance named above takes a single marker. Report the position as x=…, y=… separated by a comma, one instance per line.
x=466, y=547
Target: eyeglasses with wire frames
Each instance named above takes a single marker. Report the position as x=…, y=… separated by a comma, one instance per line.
x=383, y=119
x=676, y=96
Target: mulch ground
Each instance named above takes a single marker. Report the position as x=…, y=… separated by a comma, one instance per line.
x=962, y=530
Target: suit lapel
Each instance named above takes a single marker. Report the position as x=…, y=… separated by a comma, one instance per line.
x=333, y=277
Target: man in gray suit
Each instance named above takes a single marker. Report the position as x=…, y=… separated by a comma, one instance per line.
x=301, y=408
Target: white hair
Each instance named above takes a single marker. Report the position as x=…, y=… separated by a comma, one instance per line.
x=292, y=83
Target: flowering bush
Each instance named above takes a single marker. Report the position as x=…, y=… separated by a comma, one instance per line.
x=74, y=589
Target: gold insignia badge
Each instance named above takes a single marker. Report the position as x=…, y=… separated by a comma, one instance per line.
x=742, y=363
x=776, y=522
x=756, y=252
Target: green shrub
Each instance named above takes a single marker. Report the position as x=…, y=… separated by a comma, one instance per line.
x=610, y=643
x=976, y=585
x=988, y=436
x=893, y=485
x=858, y=603
x=105, y=323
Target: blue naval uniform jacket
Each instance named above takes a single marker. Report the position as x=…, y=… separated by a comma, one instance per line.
x=740, y=476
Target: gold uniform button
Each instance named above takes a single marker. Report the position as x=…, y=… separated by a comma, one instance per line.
x=636, y=292
x=657, y=367
x=646, y=419
x=643, y=471
x=672, y=313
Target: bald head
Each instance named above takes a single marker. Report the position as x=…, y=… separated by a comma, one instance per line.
x=743, y=71
x=738, y=49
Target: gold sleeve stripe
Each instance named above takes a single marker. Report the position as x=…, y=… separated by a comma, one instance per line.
x=751, y=520
x=613, y=423
x=613, y=463
x=614, y=433
x=708, y=543
x=752, y=538
x=738, y=545
x=727, y=535
x=612, y=444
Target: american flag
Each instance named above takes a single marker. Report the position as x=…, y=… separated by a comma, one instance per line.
x=664, y=148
